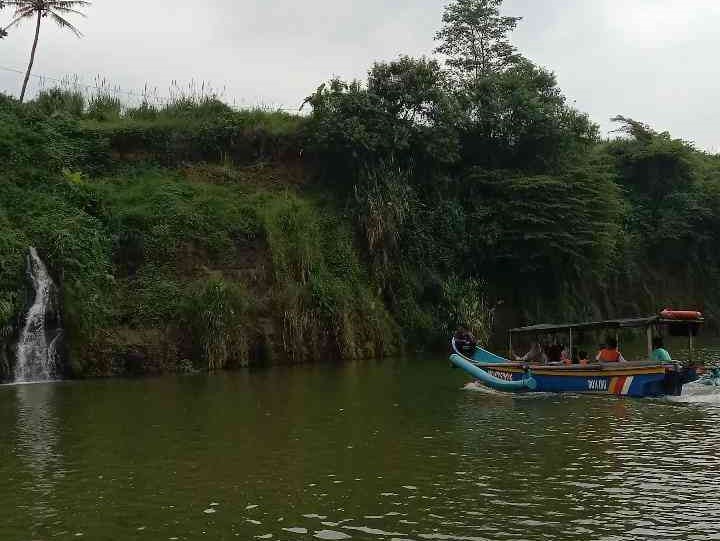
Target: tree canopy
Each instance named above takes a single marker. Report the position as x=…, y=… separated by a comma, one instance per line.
x=474, y=39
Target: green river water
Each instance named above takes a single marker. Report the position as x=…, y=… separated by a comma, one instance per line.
x=394, y=450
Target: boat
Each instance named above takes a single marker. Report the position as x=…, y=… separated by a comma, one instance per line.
x=638, y=378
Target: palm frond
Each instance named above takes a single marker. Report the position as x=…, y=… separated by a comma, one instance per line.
x=15, y=22
x=69, y=11
x=66, y=4
x=64, y=23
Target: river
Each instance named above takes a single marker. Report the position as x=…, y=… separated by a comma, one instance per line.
x=394, y=450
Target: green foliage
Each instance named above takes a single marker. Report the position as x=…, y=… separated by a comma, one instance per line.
x=403, y=115
x=164, y=215
x=564, y=226
x=652, y=165
x=384, y=199
x=220, y=316
x=169, y=138
x=104, y=106
x=322, y=292
x=474, y=38
x=58, y=101
x=468, y=306
x=13, y=246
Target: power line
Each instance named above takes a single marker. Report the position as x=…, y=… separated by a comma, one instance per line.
x=116, y=90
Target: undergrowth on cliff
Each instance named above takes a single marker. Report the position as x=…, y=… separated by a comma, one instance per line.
x=322, y=292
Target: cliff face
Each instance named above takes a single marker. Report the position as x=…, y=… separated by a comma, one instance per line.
x=226, y=266
x=186, y=246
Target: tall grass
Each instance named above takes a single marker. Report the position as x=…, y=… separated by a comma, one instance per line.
x=220, y=314
x=320, y=284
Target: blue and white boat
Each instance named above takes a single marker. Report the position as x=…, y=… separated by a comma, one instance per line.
x=639, y=378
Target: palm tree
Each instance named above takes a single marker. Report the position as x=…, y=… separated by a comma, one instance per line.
x=37, y=9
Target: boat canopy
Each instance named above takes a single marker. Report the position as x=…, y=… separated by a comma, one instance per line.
x=627, y=323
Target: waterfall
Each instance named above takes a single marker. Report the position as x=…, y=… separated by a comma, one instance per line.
x=37, y=352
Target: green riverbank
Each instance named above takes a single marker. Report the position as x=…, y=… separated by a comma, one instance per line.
x=196, y=236
x=213, y=238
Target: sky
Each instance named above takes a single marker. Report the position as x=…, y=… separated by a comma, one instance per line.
x=651, y=60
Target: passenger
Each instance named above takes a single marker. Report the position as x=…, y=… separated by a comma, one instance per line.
x=659, y=353
x=583, y=358
x=610, y=353
x=566, y=357
x=554, y=354
x=535, y=355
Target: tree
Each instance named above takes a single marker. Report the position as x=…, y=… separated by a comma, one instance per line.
x=474, y=37
x=652, y=165
x=404, y=114
x=57, y=10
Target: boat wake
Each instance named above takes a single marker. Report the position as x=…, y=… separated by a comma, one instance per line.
x=480, y=388
x=477, y=387
x=698, y=393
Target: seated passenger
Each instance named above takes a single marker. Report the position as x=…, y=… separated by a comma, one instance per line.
x=583, y=358
x=554, y=354
x=610, y=353
x=535, y=355
x=659, y=353
x=566, y=357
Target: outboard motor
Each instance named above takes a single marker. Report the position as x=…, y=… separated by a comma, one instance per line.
x=675, y=377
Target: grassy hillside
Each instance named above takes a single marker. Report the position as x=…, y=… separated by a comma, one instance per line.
x=225, y=258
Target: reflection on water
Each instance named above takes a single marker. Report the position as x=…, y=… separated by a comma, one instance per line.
x=37, y=449
x=392, y=450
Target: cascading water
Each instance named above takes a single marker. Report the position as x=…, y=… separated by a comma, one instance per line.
x=37, y=352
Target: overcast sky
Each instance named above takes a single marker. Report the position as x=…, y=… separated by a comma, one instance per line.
x=652, y=60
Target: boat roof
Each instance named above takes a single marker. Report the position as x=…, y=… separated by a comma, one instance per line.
x=626, y=323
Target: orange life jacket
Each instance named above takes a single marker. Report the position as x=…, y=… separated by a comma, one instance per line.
x=609, y=355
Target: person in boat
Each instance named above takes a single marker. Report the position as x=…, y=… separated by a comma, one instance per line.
x=659, y=353
x=535, y=355
x=555, y=354
x=465, y=341
x=566, y=357
x=610, y=353
x=583, y=358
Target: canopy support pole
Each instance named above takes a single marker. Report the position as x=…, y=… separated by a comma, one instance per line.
x=649, y=340
x=690, y=343
x=570, y=353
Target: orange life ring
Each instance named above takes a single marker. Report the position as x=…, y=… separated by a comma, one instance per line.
x=680, y=314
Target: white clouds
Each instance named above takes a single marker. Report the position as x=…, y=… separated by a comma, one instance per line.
x=658, y=23
x=651, y=59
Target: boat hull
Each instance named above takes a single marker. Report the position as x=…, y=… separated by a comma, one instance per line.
x=638, y=382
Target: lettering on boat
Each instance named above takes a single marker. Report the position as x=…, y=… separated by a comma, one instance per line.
x=597, y=384
x=507, y=376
